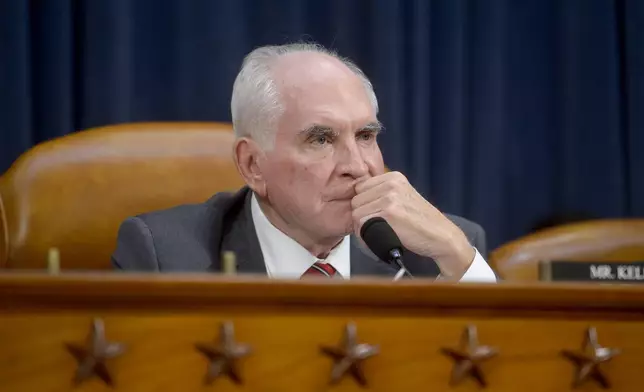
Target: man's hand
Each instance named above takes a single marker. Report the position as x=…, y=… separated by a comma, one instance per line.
x=421, y=227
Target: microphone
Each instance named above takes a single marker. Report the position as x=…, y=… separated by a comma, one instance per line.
x=384, y=243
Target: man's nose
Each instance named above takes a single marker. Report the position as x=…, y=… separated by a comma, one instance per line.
x=352, y=163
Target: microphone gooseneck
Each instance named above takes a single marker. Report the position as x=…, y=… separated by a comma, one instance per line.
x=383, y=241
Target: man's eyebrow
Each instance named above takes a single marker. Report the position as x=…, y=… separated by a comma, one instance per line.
x=324, y=130
x=375, y=127
x=317, y=130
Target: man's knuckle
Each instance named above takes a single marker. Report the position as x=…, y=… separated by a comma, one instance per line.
x=401, y=179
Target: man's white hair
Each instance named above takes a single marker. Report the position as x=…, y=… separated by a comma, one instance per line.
x=255, y=103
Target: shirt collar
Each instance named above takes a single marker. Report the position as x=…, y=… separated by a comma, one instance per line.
x=285, y=258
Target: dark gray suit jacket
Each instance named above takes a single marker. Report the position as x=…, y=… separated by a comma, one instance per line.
x=191, y=238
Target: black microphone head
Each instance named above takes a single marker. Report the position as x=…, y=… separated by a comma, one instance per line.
x=380, y=238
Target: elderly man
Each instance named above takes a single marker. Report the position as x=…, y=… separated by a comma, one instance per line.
x=306, y=127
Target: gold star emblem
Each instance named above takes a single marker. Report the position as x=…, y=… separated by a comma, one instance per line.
x=223, y=356
x=92, y=356
x=589, y=358
x=468, y=357
x=349, y=355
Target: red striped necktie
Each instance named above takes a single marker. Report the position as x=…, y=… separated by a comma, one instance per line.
x=319, y=269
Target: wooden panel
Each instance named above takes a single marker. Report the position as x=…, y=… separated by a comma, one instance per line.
x=610, y=240
x=161, y=353
x=160, y=318
x=55, y=193
x=4, y=235
x=209, y=292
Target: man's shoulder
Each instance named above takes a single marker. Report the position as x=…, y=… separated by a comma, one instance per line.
x=216, y=207
x=181, y=238
x=186, y=213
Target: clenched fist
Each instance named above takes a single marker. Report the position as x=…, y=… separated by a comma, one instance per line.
x=421, y=227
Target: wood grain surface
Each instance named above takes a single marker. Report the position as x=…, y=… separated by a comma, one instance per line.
x=161, y=318
x=73, y=192
x=603, y=241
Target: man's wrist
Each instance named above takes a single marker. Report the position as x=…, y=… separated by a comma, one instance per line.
x=456, y=264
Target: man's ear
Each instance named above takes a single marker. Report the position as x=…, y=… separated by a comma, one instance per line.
x=247, y=156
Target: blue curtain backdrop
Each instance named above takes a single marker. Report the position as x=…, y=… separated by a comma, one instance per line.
x=504, y=111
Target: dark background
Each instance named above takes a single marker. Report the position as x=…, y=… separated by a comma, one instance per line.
x=504, y=111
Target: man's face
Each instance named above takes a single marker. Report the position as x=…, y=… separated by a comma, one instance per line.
x=324, y=144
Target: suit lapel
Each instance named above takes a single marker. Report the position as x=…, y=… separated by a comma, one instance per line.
x=241, y=239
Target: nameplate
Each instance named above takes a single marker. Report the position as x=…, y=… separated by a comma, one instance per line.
x=576, y=271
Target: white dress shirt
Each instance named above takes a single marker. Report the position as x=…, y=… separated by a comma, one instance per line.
x=285, y=258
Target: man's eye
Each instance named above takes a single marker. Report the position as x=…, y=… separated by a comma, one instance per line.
x=366, y=136
x=321, y=140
